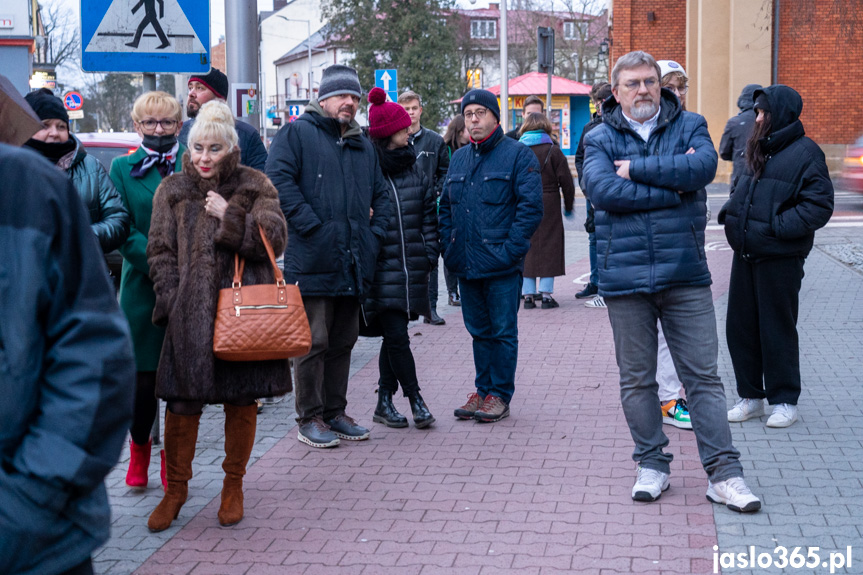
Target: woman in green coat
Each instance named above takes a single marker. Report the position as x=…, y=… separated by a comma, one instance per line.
x=157, y=117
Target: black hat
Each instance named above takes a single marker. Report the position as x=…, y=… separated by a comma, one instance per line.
x=761, y=101
x=338, y=79
x=483, y=98
x=46, y=105
x=215, y=80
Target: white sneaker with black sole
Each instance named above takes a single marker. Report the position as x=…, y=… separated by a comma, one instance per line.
x=784, y=415
x=649, y=484
x=734, y=494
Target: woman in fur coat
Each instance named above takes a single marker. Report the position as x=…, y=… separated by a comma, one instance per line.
x=201, y=218
x=408, y=252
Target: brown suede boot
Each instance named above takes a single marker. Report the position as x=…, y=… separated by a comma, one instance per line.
x=181, y=436
x=240, y=425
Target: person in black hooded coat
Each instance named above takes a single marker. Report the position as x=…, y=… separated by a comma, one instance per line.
x=732, y=147
x=399, y=292
x=783, y=195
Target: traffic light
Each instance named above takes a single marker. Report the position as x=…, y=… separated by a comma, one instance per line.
x=545, y=49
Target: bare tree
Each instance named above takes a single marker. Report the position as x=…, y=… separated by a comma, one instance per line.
x=578, y=54
x=62, y=44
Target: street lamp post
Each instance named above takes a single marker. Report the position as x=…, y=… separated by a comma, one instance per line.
x=308, y=44
x=504, y=65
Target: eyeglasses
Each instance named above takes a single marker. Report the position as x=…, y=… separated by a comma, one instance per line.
x=649, y=83
x=166, y=124
x=679, y=91
x=479, y=114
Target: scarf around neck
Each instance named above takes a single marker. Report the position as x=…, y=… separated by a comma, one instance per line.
x=535, y=138
x=396, y=161
x=164, y=162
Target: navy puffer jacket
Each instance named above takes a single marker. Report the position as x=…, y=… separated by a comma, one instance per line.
x=777, y=214
x=409, y=248
x=328, y=182
x=490, y=207
x=650, y=228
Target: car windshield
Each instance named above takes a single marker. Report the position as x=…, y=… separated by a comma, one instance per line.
x=106, y=155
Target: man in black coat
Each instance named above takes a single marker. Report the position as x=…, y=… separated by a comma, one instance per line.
x=433, y=160
x=732, y=146
x=66, y=372
x=212, y=86
x=337, y=205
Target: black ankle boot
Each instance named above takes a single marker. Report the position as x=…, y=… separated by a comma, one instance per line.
x=386, y=412
x=422, y=417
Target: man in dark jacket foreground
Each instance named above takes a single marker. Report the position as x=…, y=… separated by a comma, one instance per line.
x=645, y=169
x=433, y=160
x=329, y=183
x=212, y=86
x=732, y=146
x=66, y=374
x=490, y=207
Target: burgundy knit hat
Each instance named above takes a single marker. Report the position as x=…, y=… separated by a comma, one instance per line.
x=385, y=118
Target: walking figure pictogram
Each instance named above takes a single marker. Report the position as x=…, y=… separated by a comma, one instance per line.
x=150, y=19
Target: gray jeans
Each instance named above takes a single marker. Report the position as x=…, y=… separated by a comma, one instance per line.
x=689, y=324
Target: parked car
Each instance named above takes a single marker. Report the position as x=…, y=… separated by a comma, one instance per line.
x=852, y=168
x=105, y=146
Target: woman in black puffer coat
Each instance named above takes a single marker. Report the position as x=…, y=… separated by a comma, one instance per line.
x=408, y=252
x=780, y=199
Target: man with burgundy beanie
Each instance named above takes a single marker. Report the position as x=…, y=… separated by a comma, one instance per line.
x=337, y=205
x=212, y=86
x=490, y=206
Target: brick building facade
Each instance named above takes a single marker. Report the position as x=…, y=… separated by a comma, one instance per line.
x=655, y=26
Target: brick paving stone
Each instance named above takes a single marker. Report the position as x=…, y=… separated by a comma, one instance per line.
x=547, y=490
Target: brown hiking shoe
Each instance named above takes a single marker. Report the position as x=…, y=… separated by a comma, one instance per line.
x=469, y=409
x=493, y=409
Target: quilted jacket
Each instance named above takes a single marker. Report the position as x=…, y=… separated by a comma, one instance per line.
x=650, y=228
x=490, y=206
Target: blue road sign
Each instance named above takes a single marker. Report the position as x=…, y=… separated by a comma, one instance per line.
x=293, y=110
x=388, y=81
x=169, y=36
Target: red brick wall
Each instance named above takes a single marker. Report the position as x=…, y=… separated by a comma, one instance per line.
x=823, y=66
x=664, y=38
x=217, y=57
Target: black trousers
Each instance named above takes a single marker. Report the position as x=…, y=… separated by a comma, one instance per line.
x=451, y=283
x=761, y=328
x=321, y=385
x=396, y=362
x=85, y=568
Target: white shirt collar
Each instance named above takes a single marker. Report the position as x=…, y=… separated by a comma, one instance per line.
x=644, y=129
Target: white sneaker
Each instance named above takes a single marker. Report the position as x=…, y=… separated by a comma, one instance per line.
x=595, y=302
x=649, y=484
x=746, y=409
x=734, y=494
x=783, y=415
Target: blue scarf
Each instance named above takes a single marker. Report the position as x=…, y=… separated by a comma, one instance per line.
x=535, y=138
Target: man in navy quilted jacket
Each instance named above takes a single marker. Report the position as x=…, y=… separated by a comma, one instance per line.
x=490, y=205
x=646, y=167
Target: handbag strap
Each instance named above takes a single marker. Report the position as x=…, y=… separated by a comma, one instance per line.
x=240, y=264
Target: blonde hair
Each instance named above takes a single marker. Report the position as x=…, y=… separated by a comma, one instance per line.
x=214, y=121
x=156, y=103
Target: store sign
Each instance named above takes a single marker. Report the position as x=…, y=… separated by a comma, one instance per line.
x=41, y=79
x=7, y=21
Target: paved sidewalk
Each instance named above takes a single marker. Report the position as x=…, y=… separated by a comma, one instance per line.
x=544, y=491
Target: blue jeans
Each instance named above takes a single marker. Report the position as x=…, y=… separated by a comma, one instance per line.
x=490, y=311
x=689, y=324
x=546, y=285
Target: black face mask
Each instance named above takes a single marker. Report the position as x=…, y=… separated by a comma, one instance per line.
x=160, y=144
x=53, y=151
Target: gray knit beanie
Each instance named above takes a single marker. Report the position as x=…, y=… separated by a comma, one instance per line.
x=338, y=79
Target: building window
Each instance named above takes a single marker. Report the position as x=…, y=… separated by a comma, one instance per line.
x=483, y=29
x=574, y=30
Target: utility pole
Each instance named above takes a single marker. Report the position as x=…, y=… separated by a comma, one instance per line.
x=504, y=66
x=241, y=50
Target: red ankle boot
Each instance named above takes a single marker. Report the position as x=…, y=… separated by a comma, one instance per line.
x=139, y=463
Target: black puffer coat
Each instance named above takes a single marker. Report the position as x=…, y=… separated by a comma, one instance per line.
x=777, y=214
x=732, y=147
x=409, y=249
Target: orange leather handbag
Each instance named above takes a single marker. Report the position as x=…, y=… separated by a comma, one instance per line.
x=260, y=322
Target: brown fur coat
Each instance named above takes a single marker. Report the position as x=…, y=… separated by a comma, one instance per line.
x=191, y=257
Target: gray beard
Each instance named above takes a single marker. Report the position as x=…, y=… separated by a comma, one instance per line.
x=643, y=111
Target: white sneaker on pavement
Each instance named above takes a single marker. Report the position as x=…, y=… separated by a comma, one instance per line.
x=746, y=409
x=595, y=302
x=649, y=484
x=734, y=494
x=784, y=415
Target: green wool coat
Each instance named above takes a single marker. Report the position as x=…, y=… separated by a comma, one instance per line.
x=137, y=298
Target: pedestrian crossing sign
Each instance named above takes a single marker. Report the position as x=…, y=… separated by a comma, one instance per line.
x=146, y=36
